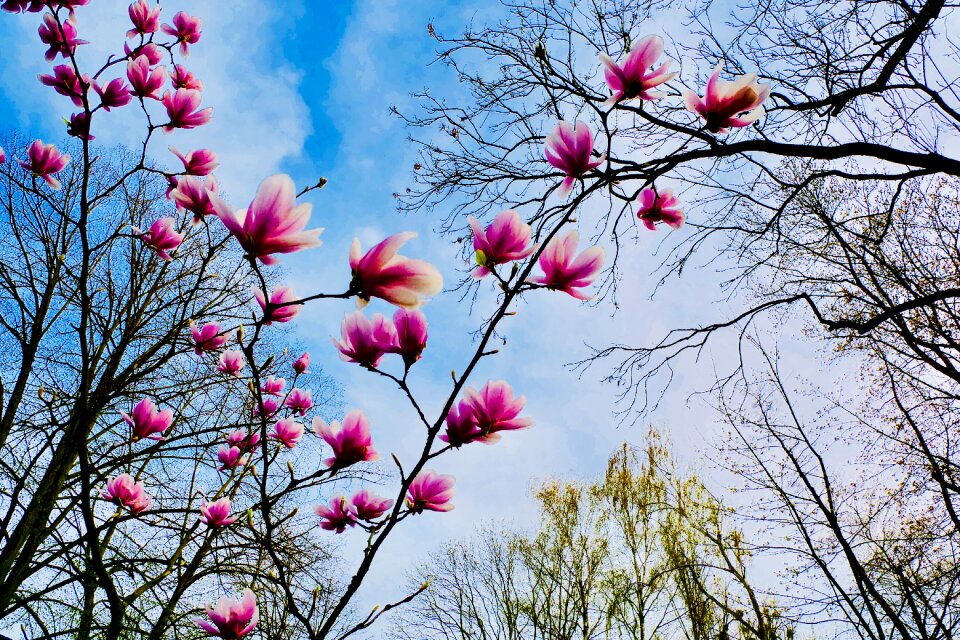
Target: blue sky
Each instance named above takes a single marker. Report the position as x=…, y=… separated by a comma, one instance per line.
x=307, y=93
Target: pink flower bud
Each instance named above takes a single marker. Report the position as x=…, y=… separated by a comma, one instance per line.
x=351, y=443
x=430, y=491
x=231, y=362
x=301, y=364
x=146, y=421
x=273, y=223
x=145, y=19
x=231, y=618
x=382, y=273
x=565, y=271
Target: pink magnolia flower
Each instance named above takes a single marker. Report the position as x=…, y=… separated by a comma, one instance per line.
x=659, y=207
x=231, y=619
x=495, y=409
x=209, y=337
x=153, y=53
x=217, y=513
x=506, y=239
x=299, y=401
x=369, y=506
x=382, y=273
x=21, y=6
x=162, y=237
x=3, y=159
x=79, y=126
x=351, y=443
x=411, y=329
x=201, y=162
x=266, y=407
x=183, y=79
x=338, y=516
x=144, y=18
x=231, y=458
x=365, y=341
x=273, y=386
x=146, y=421
x=462, y=428
x=44, y=161
x=193, y=195
x=273, y=223
x=66, y=82
x=186, y=29
x=570, y=149
x=727, y=104
x=288, y=432
x=183, y=109
x=280, y=309
x=145, y=80
x=60, y=37
x=430, y=491
x=301, y=364
x=127, y=492
x=635, y=79
x=231, y=362
x=244, y=441
x=115, y=94
x=564, y=272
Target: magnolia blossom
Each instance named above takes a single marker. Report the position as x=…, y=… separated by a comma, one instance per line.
x=193, y=195
x=44, y=161
x=153, y=53
x=186, y=29
x=79, y=126
x=162, y=237
x=369, y=506
x=231, y=458
x=565, y=272
x=462, y=428
x=288, y=432
x=411, y=332
x=338, y=516
x=145, y=80
x=209, y=337
x=495, y=409
x=660, y=206
x=570, y=149
x=60, y=37
x=115, y=93
x=244, y=441
x=266, y=407
x=301, y=364
x=299, y=401
x=231, y=619
x=506, y=239
x=634, y=78
x=3, y=155
x=180, y=78
x=280, y=310
x=366, y=341
x=21, y=6
x=351, y=443
x=430, y=491
x=273, y=223
x=231, y=362
x=217, y=513
x=146, y=421
x=273, y=386
x=145, y=19
x=127, y=492
x=183, y=109
x=66, y=82
x=201, y=162
x=382, y=273
x=727, y=104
